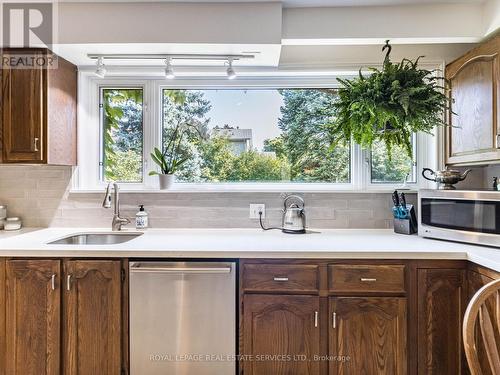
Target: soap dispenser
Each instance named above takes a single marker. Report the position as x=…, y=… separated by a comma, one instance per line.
x=141, y=218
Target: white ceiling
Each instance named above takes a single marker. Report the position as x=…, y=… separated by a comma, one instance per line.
x=302, y=3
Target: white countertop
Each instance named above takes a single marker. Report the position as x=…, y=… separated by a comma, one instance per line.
x=248, y=243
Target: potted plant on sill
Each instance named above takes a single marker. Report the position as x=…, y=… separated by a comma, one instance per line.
x=168, y=165
x=173, y=156
x=389, y=105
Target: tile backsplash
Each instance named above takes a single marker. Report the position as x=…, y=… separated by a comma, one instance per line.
x=40, y=195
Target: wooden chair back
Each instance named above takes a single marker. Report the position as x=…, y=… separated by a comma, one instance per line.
x=482, y=318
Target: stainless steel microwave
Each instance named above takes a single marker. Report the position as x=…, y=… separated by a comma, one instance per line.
x=460, y=215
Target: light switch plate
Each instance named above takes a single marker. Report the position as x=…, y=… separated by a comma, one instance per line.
x=255, y=208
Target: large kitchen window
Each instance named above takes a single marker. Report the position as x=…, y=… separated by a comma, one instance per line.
x=254, y=135
x=259, y=136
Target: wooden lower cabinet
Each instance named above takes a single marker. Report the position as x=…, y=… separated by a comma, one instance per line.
x=61, y=317
x=441, y=306
x=367, y=335
x=33, y=317
x=92, y=317
x=281, y=335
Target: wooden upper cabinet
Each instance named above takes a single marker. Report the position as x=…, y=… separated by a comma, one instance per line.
x=32, y=313
x=473, y=137
x=24, y=107
x=38, y=110
x=371, y=332
x=441, y=304
x=284, y=328
x=92, y=317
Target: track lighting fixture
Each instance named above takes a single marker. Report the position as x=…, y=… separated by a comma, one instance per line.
x=231, y=74
x=168, y=58
x=169, y=72
x=100, y=70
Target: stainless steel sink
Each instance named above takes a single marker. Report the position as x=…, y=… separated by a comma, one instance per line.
x=95, y=239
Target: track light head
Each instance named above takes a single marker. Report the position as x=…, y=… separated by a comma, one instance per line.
x=100, y=69
x=231, y=74
x=169, y=72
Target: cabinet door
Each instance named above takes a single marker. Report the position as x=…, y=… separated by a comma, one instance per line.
x=92, y=317
x=441, y=305
x=473, y=134
x=32, y=317
x=370, y=333
x=24, y=111
x=281, y=335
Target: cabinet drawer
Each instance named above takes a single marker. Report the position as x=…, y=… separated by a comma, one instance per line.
x=280, y=278
x=366, y=278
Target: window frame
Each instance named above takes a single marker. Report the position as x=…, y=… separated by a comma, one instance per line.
x=87, y=173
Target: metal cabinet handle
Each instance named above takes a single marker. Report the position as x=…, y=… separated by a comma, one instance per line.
x=280, y=278
x=334, y=320
x=498, y=141
x=36, y=143
x=316, y=314
x=68, y=283
x=364, y=279
x=53, y=282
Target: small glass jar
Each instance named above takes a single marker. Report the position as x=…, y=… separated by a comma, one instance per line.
x=12, y=223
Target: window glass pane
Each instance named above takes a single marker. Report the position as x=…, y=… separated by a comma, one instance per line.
x=122, y=129
x=274, y=135
x=396, y=170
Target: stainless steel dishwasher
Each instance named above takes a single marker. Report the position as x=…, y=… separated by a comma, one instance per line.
x=182, y=318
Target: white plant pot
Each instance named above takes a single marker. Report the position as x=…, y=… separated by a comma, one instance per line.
x=166, y=181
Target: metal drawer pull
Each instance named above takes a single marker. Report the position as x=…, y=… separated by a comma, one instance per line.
x=364, y=279
x=36, y=144
x=280, y=278
x=53, y=282
x=316, y=319
x=68, y=283
x=334, y=321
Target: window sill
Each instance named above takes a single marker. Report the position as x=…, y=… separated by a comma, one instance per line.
x=255, y=188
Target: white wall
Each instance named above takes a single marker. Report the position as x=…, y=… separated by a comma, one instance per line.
x=360, y=25
x=147, y=22
x=491, y=16
x=439, y=31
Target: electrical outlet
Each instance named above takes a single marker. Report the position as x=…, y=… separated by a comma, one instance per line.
x=255, y=209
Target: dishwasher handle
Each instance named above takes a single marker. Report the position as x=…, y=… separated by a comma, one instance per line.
x=138, y=268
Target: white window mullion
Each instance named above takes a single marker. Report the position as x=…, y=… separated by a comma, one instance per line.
x=357, y=162
x=150, y=131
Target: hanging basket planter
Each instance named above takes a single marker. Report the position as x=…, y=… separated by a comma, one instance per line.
x=389, y=105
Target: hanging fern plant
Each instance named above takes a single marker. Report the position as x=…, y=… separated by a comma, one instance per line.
x=389, y=105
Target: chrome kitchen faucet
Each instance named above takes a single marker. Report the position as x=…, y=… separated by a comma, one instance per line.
x=118, y=221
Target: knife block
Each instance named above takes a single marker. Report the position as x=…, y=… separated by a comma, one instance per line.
x=408, y=225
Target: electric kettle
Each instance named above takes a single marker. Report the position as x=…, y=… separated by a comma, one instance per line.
x=294, y=216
